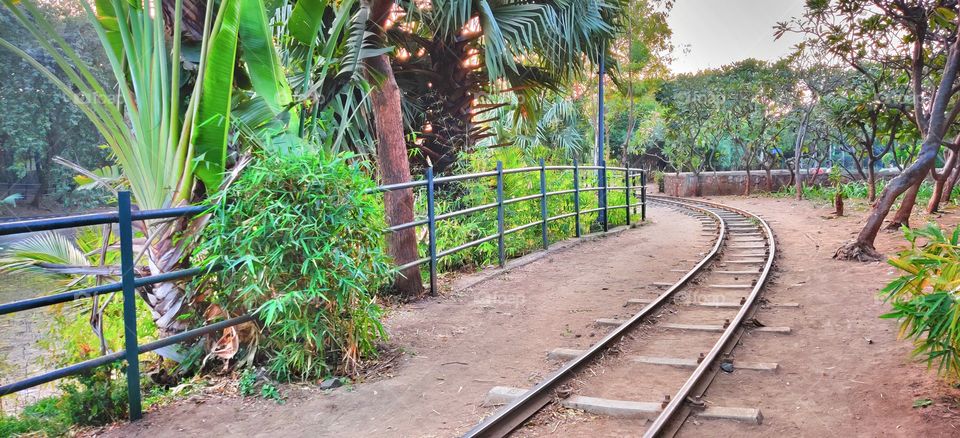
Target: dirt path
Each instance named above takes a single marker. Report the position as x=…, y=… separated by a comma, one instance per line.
x=842, y=371
x=458, y=346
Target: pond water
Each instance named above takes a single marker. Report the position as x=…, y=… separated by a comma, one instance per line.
x=21, y=354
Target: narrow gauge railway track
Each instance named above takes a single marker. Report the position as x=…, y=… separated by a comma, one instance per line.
x=718, y=295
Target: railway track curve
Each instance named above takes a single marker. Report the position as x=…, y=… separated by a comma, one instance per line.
x=723, y=286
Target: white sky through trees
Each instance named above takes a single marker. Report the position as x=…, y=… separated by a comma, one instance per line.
x=711, y=33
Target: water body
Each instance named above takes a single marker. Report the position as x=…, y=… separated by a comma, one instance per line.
x=21, y=352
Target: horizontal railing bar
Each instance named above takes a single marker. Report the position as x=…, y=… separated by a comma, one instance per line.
x=523, y=227
x=618, y=188
x=562, y=216
x=521, y=170
x=60, y=373
x=164, y=213
x=561, y=192
x=465, y=246
x=452, y=178
x=591, y=189
x=417, y=262
x=195, y=333
x=404, y=226
x=592, y=210
x=118, y=356
x=400, y=186
x=58, y=223
x=465, y=211
x=83, y=220
x=521, y=199
x=418, y=183
x=34, y=303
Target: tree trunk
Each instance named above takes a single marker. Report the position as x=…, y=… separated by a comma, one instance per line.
x=902, y=217
x=940, y=181
x=951, y=183
x=394, y=169
x=838, y=202
x=871, y=184
x=769, y=173
x=798, y=152
x=862, y=248
x=43, y=179
x=936, y=126
x=392, y=159
x=746, y=191
x=799, y=179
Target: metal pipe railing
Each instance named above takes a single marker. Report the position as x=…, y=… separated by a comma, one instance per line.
x=124, y=217
x=501, y=203
x=129, y=282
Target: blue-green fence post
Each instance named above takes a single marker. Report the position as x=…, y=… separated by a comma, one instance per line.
x=626, y=179
x=501, y=250
x=643, y=195
x=127, y=278
x=543, y=204
x=576, y=195
x=603, y=196
x=432, y=231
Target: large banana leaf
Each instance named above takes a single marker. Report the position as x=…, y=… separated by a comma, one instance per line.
x=213, y=114
x=260, y=57
x=107, y=16
x=306, y=20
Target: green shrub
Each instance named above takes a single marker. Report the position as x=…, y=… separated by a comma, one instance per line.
x=300, y=242
x=43, y=418
x=925, y=299
x=858, y=190
x=93, y=399
x=97, y=398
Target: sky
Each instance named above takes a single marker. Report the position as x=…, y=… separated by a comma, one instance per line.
x=711, y=33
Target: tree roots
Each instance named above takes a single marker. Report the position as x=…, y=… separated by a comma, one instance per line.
x=896, y=225
x=857, y=251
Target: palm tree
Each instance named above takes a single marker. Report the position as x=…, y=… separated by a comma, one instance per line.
x=453, y=53
x=170, y=155
x=449, y=54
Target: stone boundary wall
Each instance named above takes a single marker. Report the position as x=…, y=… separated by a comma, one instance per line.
x=734, y=182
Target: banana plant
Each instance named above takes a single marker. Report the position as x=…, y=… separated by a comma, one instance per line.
x=169, y=140
x=321, y=47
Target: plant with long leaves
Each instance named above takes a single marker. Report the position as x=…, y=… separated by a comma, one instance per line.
x=560, y=126
x=167, y=131
x=925, y=298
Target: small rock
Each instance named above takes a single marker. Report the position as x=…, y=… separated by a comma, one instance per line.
x=331, y=383
x=726, y=367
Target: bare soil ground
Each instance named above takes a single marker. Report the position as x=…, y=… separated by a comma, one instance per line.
x=842, y=373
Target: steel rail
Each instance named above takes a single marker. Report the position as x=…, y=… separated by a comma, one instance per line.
x=525, y=406
x=670, y=412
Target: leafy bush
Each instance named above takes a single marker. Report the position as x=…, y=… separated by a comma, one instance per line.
x=300, y=243
x=42, y=418
x=95, y=399
x=859, y=190
x=925, y=299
